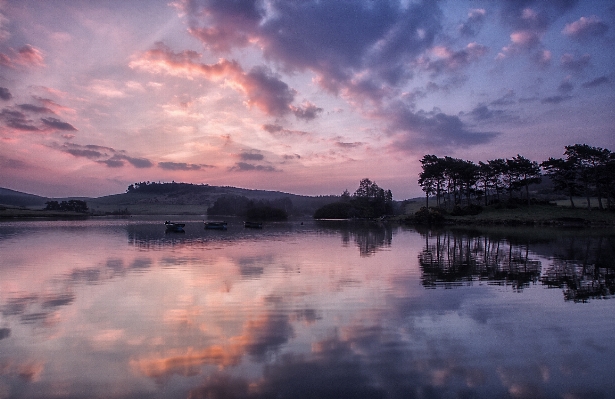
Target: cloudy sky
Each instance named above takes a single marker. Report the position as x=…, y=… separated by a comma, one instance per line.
x=300, y=96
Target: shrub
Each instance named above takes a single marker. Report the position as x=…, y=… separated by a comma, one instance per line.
x=336, y=210
x=428, y=216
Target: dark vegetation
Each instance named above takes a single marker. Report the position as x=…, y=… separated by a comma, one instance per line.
x=237, y=205
x=369, y=201
x=67, y=206
x=463, y=188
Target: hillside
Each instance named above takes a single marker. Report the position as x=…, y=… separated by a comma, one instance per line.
x=185, y=198
x=16, y=198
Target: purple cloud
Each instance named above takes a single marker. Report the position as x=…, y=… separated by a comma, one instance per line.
x=585, y=28
x=17, y=120
x=596, y=82
x=251, y=156
x=244, y=166
x=55, y=123
x=573, y=63
x=377, y=37
x=35, y=108
x=182, y=166
x=5, y=94
x=431, y=129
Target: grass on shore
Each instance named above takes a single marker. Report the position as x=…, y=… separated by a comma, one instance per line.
x=7, y=212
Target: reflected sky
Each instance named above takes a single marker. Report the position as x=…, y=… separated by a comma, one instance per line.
x=119, y=308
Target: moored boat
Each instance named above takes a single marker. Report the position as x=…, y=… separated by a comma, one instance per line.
x=215, y=225
x=253, y=225
x=172, y=226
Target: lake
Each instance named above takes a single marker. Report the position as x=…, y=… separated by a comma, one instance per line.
x=119, y=308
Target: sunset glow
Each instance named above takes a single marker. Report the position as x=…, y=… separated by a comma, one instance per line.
x=306, y=97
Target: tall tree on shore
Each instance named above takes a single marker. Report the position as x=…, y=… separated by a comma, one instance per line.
x=431, y=177
x=590, y=163
x=525, y=172
x=563, y=174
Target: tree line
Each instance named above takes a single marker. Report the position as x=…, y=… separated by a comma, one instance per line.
x=67, y=206
x=585, y=170
x=368, y=201
x=257, y=210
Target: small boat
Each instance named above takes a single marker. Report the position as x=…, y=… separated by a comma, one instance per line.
x=215, y=225
x=253, y=225
x=171, y=226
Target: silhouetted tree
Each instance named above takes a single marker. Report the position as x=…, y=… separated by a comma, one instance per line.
x=589, y=162
x=563, y=174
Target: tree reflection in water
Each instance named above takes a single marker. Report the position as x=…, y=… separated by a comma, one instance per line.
x=582, y=265
x=369, y=236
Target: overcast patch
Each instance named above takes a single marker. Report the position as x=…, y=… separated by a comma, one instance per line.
x=181, y=166
x=244, y=166
x=5, y=94
x=251, y=156
x=55, y=123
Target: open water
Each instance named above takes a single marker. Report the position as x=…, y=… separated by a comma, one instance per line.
x=118, y=308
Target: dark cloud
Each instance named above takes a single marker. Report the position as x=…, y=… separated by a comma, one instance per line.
x=476, y=18
x=85, y=153
x=58, y=300
x=35, y=108
x=349, y=145
x=506, y=99
x=5, y=94
x=585, y=28
x=268, y=92
x=5, y=333
x=251, y=156
x=352, y=37
x=11, y=163
x=431, y=129
x=596, y=82
x=103, y=155
x=181, y=166
x=279, y=130
x=112, y=163
x=55, y=123
x=273, y=128
x=565, y=87
x=307, y=111
x=482, y=112
x=244, y=166
x=17, y=120
x=136, y=162
x=573, y=63
x=555, y=99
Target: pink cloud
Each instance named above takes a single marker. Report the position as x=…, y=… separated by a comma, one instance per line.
x=262, y=87
x=585, y=27
x=26, y=56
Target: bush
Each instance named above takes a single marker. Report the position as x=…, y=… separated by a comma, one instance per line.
x=428, y=216
x=266, y=212
x=336, y=210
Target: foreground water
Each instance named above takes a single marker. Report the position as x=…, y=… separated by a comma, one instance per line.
x=119, y=308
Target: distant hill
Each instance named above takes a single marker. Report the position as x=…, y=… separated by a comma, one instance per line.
x=186, y=198
x=16, y=198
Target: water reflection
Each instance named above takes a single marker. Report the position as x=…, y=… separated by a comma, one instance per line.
x=583, y=265
x=327, y=310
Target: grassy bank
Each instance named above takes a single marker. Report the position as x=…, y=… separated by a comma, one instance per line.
x=9, y=213
x=549, y=215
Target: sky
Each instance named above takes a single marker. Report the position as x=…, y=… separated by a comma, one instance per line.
x=300, y=96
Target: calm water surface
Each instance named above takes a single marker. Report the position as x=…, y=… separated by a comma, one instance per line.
x=119, y=309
